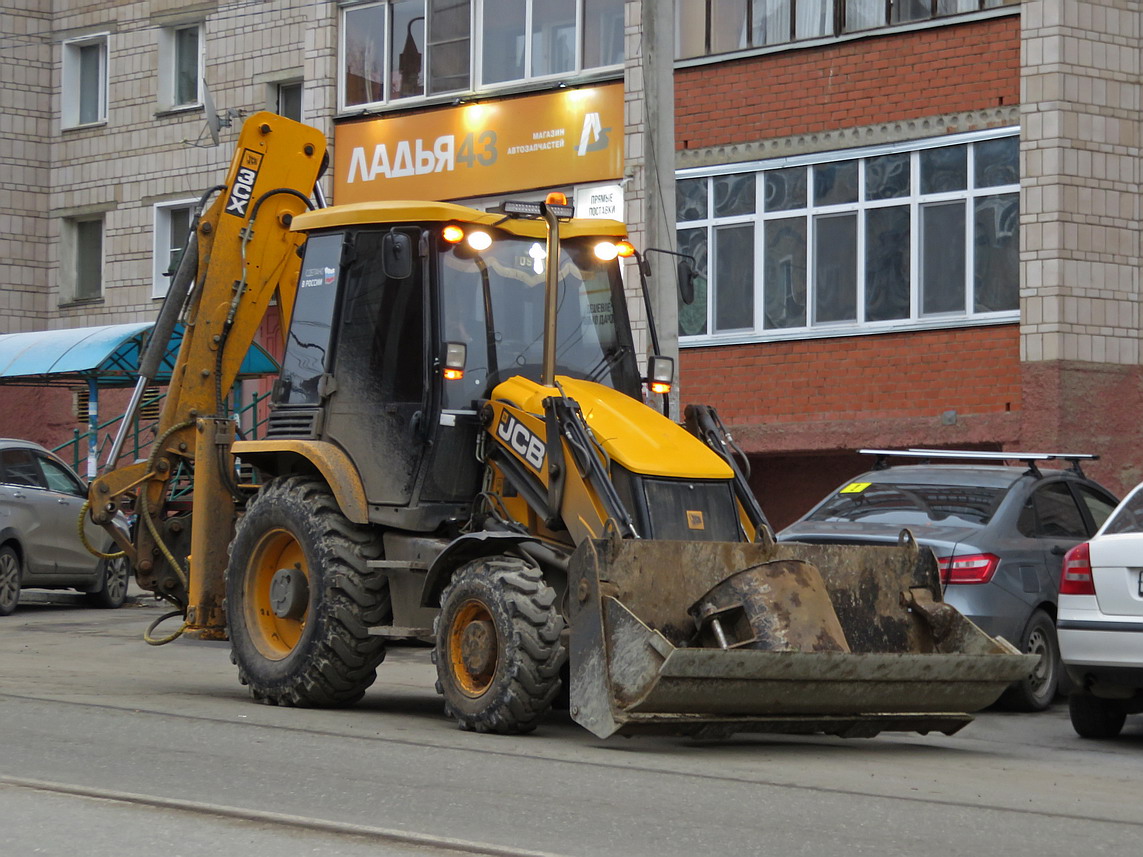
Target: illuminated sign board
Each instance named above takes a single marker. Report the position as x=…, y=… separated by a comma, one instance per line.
x=569, y=136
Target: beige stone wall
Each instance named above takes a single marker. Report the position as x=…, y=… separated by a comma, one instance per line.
x=143, y=154
x=25, y=127
x=1081, y=140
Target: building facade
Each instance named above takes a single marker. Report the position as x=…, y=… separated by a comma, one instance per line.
x=917, y=221
x=919, y=225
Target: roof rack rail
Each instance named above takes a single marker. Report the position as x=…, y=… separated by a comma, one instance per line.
x=1029, y=458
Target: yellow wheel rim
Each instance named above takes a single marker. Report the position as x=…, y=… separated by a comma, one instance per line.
x=473, y=648
x=274, y=635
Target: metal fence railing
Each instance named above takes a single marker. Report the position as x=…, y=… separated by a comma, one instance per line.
x=251, y=419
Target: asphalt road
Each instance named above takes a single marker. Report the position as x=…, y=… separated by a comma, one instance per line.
x=113, y=747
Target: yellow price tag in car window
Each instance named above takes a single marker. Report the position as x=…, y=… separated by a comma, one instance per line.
x=854, y=487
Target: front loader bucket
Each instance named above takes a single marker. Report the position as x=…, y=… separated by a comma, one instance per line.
x=712, y=638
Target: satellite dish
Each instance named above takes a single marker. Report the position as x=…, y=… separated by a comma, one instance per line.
x=212, y=121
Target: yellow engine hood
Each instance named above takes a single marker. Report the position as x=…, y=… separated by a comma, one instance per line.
x=633, y=434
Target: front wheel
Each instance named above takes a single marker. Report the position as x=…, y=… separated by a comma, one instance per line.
x=9, y=580
x=1038, y=689
x=299, y=601
x=1093, y=717
x=498, y=651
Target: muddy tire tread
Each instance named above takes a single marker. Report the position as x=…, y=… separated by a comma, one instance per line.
x=529, y=678
x=337, y=657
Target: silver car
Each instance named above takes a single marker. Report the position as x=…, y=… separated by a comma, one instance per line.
x=999, y=533
x=40, y=547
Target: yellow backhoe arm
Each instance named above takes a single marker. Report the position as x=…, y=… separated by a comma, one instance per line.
x=242, y=253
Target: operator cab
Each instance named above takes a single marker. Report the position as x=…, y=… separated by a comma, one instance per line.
x=381, y=304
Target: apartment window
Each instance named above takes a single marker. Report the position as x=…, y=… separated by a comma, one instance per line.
x=85, y=81
x=82, y=264
x=868, y=240
x=524, y=39
x=706, y=27
x=180, y=65
x=288, y=100
x=172, y=230
x=403, y=49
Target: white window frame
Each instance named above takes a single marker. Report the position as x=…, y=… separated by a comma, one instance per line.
x=161, y=255
x=71, y=90
x=69, y=261
x=168, y=66
x=475, y=59
x=755, y=331
x=528, y=77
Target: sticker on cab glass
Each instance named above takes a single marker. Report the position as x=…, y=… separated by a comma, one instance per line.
x=695, y=521
x=854, y=487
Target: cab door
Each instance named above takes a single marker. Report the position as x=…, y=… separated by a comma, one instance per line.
x=378, y=407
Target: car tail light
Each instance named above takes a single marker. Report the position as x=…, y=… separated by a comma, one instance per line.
x=1076, y=577
x=974, y=568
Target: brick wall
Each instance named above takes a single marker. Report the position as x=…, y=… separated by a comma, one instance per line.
x=895, y=76
x=972, y=370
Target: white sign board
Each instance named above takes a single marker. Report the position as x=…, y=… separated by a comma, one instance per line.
x=600, y=202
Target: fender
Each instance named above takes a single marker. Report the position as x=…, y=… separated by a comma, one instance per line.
x=334, y=465
x=461, y=550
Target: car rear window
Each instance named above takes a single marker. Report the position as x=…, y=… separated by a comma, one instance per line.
x=957, y=505
x=1128, y=516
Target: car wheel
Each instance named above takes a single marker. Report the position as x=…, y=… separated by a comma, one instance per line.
x=114, y=576
x=1036, y=692
x=9, y=580
x=1093, y=717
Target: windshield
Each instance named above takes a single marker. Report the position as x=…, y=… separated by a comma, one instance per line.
x=493, y=302
x=1128, y=515
x=954, y=505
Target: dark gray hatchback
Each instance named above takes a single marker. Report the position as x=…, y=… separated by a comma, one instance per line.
x=999, y=533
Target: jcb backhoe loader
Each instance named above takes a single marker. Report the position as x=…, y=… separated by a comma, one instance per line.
x=459, y=447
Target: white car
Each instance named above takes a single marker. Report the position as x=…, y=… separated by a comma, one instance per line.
x=1100, y=622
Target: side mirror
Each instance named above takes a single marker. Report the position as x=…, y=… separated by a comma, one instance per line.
x=455, y=357
x=397, y=255
x=686, y=274
x=660, y=373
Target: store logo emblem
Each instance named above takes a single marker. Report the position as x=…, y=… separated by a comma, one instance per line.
x=594, y=136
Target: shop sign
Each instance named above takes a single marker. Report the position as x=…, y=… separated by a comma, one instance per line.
x=570, y=136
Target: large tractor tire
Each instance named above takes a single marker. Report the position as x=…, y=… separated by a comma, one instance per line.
x=299, y=601
x=498, y=651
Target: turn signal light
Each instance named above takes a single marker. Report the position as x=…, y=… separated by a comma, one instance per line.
x=975, y=568
x=556, y=198
x=626, y=248
x=452, y=234
x=1076, y=577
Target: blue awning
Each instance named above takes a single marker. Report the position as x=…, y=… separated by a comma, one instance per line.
x=107, y=355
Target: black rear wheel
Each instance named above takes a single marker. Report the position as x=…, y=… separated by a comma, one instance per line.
x=300, y=601
x=114, y=574
x=498, y=650
x=1038, y=689
x=1093, y=717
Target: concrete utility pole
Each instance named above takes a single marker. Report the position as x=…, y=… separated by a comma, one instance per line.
x=649, y=163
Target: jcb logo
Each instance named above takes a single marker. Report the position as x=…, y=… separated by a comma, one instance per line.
x=244, y=183
x=520, y=438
